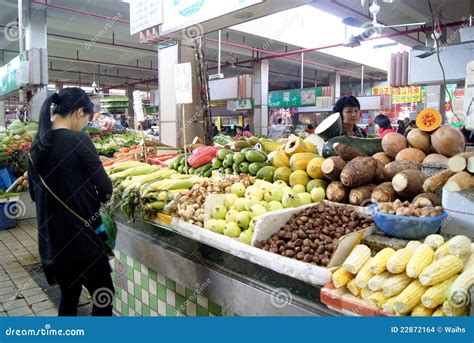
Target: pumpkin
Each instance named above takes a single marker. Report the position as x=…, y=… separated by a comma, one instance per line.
x=281, y=159
x=411, y=154
x=448, y=141
x=300, y=161
x=314, y=168
x=419, y=139
x=393, y=143
x=299, y=177
x=429, y=120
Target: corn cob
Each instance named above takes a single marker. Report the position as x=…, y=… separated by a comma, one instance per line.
x=437, y=294
x=376, y=282
x=357, y=258
x=395, y=285
x=365, y=293
x=388, y=305
x=452, y=311
x=135, y=171
x=353, y=288
x=410, y=297
x=439, y=312
x=379, y=262
x=377, y=299
x=364, y=275
x=341, y=277
x=458, y=293
x=397, y=263
x=421, y=311
x=119, y=167
x=421, y=259
x=413, y=245
x=442, y=251
x=459, y=245
x=441, y=270
x=166, y=185
x=434, y=241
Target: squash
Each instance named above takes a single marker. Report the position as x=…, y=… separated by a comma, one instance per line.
x=281, y=159
x=435, y=158
x=299, y=177
x=295, y=145
x=448, y=141
x=419, y=139
x=393, y=143
x=300, y=161
x=429, y=120
x=314, y=168
x=411, y=154
x=310, y=147
x=368, y=146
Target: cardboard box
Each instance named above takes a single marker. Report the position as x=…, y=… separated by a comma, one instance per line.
x=460, y=209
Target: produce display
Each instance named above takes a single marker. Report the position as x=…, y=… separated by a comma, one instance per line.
x=109, y=144
x=416, y=209
x=15, y=142
x=429, y=279
x=312, y=235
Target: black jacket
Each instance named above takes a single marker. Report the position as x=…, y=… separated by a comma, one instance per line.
x=74, y=172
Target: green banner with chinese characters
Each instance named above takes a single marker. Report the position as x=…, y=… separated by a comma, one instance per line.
x=294, y=97
x=13, y=75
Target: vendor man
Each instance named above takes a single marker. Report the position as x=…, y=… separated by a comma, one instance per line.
x=349, y=108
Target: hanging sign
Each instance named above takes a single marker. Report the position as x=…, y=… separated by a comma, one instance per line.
x=14, y=75
x=183, y=83
x=239, y=105
x=180, y=14
x=145, y=14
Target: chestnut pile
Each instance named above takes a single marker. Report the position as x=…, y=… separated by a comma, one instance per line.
x=312, y=235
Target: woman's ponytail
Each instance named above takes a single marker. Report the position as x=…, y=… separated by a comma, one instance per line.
x=41, y=144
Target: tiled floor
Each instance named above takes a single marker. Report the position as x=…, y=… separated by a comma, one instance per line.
x=20, y=295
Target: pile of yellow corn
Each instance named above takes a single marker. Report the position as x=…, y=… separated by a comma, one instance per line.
x=423, y=279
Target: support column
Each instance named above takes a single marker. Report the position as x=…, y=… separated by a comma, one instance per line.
x=261, y=82
x=2, y=104
x=36, y=38
x=435, y=98
x=131, y=113
x=172, y=130
x=335, y=81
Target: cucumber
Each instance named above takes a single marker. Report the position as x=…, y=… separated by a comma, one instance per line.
x=369, y=146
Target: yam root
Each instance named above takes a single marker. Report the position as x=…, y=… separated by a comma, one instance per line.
x=393, y=168
x=434, y=183
x=358, y=172
x=347, y=152
x=470, y=164
x=360, y=196
x=459, y=162
x=409, y=183
x=379, y=176
x=426, y=200
x=332, y=167
x=460, y=182
x=383, y=157
x=336, y=192
x=384, y=193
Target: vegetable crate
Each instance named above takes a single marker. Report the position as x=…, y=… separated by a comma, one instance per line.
x=8, y=212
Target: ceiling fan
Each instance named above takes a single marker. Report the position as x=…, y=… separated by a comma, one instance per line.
x=370, y=27
x=430, y=50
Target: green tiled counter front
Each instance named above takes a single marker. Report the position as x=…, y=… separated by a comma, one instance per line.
x=141, y=291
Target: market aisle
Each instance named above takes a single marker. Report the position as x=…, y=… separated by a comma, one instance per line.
x=20, y=293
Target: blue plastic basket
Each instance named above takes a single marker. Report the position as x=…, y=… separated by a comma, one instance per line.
x=406, y=227
x=6, y=222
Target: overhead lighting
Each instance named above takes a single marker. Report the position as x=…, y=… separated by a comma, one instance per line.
x=94, y=85
x=389, y=1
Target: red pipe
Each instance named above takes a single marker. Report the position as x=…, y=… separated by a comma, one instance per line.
x=79, y=11
x=368, y=17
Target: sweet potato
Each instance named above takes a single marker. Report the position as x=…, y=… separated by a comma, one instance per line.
x=358, y=172
x=393, y=168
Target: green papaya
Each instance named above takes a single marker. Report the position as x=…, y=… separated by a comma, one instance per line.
x=244, y=167
x=228, y=161
x=266, y=173
x=236, y=168
x=255, y=167
x=216, y=163
x=222, y=154
x=239, y=157
x=255, y=156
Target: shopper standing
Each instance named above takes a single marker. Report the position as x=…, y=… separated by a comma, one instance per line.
x=385, y=127
x=349, y=108
x=67, y=181
x=401, y=127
